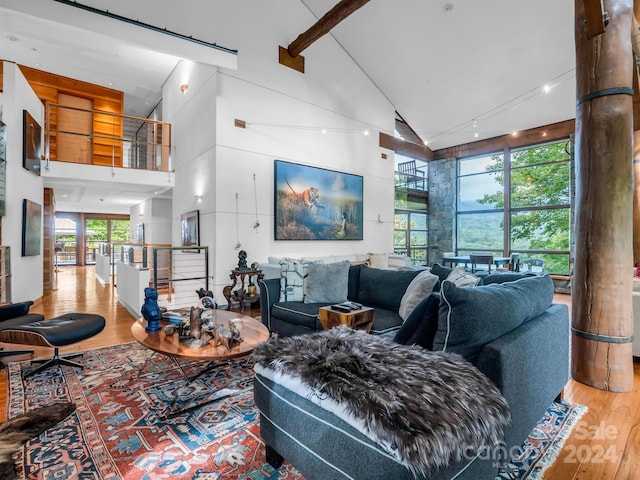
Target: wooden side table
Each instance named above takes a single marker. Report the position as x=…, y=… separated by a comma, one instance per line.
x=361, y=319
x=248, y=287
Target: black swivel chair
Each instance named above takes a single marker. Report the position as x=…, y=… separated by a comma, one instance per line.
x=14, y=315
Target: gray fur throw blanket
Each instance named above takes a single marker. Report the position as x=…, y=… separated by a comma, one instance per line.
x=427, y=409
x=17, y=431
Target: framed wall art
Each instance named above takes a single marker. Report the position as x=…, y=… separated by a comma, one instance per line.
x=31, y=228
x=190, y=229
x=31, y=143
x=314, y=203
x=140, y=233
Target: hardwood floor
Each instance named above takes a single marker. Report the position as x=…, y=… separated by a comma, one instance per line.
x=604, y=445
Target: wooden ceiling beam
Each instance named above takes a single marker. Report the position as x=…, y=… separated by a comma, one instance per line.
x=291, y=57
x=329, y=20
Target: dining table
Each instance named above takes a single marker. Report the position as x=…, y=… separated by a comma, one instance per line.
x=466, y=259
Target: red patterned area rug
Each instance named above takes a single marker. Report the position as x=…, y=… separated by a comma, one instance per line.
x=119, y=430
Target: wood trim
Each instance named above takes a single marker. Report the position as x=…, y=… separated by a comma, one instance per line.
x=594, y=17
x=546, y=133
x=329, y=20
x=420, y=152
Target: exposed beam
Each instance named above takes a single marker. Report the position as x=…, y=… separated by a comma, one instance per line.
x=546, y=133
x=329, y=20
x=594, y=17
x=291, y=57
x=410, y=149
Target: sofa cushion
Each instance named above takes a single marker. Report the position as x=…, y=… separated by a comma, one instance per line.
x=421, y=326
x=421, y=286
x=292, y=280
x=354, y=282
x=383, y=288
x=441, y=271
x=469, y=318
x=504, y=277
x=327, y=282
x=298, y=313
x=385, y=322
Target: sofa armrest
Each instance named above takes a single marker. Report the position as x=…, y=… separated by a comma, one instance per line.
x=14, y=310
x=269, y=294
x=530, y=366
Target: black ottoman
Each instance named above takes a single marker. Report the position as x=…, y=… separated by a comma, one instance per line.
x=55, y=332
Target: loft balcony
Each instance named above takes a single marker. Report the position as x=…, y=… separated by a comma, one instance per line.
x=104, y=150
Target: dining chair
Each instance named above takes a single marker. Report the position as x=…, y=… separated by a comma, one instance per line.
x=480, y=259
x=533, y=265
x=411, y=175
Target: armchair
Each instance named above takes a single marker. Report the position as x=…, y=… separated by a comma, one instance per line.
x=16, y=314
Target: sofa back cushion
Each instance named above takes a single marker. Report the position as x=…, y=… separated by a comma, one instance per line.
x=471, y=317
x=383, y=288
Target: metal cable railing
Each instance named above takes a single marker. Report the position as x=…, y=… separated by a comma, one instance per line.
x=102, y=138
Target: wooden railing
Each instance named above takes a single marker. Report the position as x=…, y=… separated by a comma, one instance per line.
x=101, y=138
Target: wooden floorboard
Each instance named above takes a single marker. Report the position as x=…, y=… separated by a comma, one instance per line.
x=604, y=445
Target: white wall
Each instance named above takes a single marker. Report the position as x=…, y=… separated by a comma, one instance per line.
x=26, y=272
x=285, y=111
x=156, y=215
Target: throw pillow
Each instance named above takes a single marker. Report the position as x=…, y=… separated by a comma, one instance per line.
x=292, y=280
x=461, y=278
x=383, y=288
x=420, y=287
x=441, y=271
x=327, y=282
x=469, y=318
x=421, y=326
x=379, y=260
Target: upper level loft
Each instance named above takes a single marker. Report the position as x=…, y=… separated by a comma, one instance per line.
x=84, y=124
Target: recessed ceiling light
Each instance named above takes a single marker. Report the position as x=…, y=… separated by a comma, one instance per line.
x=447, y=7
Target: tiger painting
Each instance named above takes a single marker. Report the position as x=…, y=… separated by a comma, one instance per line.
x=308, y=197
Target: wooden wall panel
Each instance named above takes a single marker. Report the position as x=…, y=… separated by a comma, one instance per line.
x=48, y=87
x=48, y=239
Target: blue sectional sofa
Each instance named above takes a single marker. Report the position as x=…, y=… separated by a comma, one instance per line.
x=511, y=332
x=379, y=288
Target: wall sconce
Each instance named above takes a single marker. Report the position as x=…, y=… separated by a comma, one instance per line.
x=184, y=87
x=198, y=198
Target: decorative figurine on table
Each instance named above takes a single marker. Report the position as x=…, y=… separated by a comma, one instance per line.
x=226, y=336
x=242, y=260
x=206, y=299
x=151, y=310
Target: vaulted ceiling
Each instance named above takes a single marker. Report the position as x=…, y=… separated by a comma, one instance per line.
x=456, y=70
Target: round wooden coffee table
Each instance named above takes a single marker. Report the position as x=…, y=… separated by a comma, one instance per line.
x=253, y=333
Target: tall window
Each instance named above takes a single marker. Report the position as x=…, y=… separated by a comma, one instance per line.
x=411, y=216
x=529, y=197
x=481, y=204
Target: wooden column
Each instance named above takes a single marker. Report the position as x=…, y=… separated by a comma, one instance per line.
x=636, y=194
x=635, y=45
x=602, y=317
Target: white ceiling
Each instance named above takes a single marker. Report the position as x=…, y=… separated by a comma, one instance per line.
x=455, y=70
